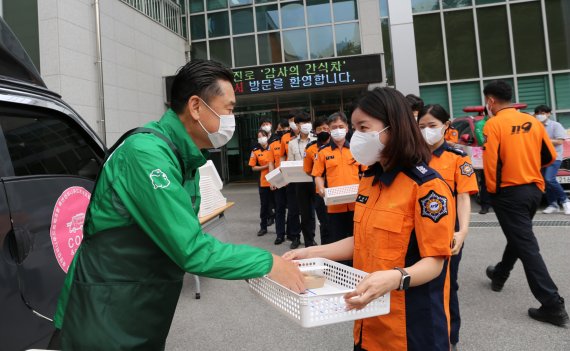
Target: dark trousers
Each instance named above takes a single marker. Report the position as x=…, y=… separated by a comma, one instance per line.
x=341, y=226
x=515, y=207
x=293, y=223
x=453, y=298
x=264, y=211
x=280, y=211
x=305, y=192
x=484, y=196
x=322, y=215
x=272, y=206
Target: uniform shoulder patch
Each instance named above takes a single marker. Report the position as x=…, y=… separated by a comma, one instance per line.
x=466, y=169
x=310, y=144
x=159, y=179
x=456, y=151
x=323, y=146
x=434, y=206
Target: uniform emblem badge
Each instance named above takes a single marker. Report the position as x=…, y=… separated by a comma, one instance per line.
x=362, y=199
x=422, y=169
x=434, y=206
x=159, y=179
x=466, y=169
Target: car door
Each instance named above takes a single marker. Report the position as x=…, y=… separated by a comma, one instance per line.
x=53, y=163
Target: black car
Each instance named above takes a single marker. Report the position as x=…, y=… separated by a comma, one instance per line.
x=49, y=159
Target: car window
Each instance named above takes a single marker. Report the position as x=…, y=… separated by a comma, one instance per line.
x=42, y=145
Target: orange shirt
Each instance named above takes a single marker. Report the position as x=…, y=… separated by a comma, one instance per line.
x=452, y=135
x=260, y=157
x=275, y=149
x=285, y=142
x=309, y=159
x=516, y=148
x=339, y=168
x=455, y=168
x=403, y=216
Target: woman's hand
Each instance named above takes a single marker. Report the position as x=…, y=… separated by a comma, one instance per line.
x=458, y=240
x=287, y=274
x=371, y=287
x=298, y=254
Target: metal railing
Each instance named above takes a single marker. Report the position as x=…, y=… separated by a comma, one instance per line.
x=166, y=12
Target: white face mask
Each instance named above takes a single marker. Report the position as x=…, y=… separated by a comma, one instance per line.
x=338, y=134
x=262, y=140
x=266, y=128
x=366, y=147
x=306, y=128
x=432, y=135
x=293, y=126
x=225, y=131
x=541, y=118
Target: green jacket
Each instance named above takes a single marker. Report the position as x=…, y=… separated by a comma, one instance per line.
x=141, y=235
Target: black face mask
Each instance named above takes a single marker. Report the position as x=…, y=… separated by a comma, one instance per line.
x=323, y=137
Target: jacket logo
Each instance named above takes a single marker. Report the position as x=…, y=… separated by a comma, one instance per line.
x=159, y=179
x=525, y=127
x=362, y=199
x=466, y=169
x=422, y=169
x=434, y=206
x=330, y=157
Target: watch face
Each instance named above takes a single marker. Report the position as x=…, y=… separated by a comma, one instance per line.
x=406, y=282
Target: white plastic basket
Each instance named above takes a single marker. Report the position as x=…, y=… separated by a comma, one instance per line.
x=321, y=306
x=276, y=178
x=341, y=194
x=294, y=172
x=209, y=170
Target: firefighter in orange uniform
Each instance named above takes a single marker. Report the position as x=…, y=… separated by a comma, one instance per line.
x=280, y=194
x=456, y=169
x=403, y=228
x=323, y=137
x=334, y=166
x=259, y=162
x=293, y=221
x=516, y=147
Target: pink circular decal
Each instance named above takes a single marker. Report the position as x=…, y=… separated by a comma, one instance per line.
x=67, y=220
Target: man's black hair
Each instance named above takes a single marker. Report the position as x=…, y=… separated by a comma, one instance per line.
x=302, y=117
x=416, y=103
x=265, y=120
x=198, y=77
x=542, y=108
x=284, y=123
x=500, y=90
x=321, y=120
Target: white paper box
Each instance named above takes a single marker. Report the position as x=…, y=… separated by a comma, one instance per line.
x=294, y=173
x=341, y=194
x=276, y=178
x=320, y=306
x=209, y=170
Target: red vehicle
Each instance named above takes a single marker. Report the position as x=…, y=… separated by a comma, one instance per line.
x=465, y=127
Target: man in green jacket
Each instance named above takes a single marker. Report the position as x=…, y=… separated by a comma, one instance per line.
x=142, y=233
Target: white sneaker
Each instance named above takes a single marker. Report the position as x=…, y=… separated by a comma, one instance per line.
x=551, y=209
x=566, y=206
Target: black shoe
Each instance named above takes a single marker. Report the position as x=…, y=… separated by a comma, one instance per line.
x=262, y=232
x=310, y=243
x=295, y=244
x=290, y=238
x=497, y=283
x=270, y=221
x=556, y=314
x=279, y=240
x=484, y=210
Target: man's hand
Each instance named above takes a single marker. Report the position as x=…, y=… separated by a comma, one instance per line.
x=321, y=191
x=458, y=239
x=287, y=274
x=371, y=287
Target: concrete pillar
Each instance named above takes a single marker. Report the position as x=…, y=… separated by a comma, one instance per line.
x=403, y=46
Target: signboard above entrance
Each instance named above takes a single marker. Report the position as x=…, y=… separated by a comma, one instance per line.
x=331, y=72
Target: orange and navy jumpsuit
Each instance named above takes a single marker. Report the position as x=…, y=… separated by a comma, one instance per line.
x=402, y=216
x=320, y=208
x=517, y=147
x=280, y=195
x=456, y=169
x=261, y=157
x=338, y=167
x=293, y=220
